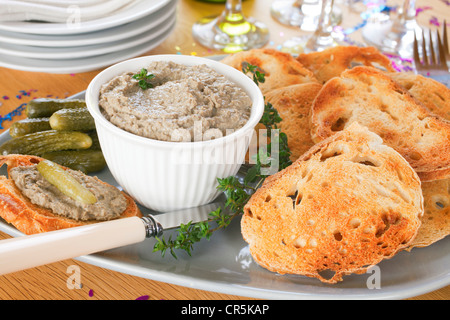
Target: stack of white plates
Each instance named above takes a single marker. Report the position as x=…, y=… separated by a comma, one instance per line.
x=86, y=45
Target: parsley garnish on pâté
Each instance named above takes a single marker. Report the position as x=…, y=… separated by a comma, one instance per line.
x=237, y=191
x=143, y=78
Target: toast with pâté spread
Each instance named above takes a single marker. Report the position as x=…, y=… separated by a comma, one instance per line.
x=18, y=209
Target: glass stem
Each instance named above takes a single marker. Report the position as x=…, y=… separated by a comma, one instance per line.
x=322, y=37
x=406, y=18
x=233, y=7
x=324, y=27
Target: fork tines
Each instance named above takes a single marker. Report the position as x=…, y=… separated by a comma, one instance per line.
x=435, y=61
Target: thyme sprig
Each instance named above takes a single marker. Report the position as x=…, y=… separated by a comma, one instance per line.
x=143, y=78
x=237, y=191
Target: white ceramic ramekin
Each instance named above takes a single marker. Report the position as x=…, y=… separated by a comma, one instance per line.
x=165, y=176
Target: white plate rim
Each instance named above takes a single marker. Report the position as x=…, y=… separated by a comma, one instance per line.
x=89, y=51
x=135, y=12
x=121, y=32
x=83, y=65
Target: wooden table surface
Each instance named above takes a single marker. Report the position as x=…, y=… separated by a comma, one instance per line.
x=17, y=87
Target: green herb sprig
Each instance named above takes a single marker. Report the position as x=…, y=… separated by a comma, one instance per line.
x=143, y=78
x=237, y=193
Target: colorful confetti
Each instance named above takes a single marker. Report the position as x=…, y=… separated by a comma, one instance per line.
x=9, y=116
x=143, y=297
x=434, y=21
x=399, y=63
x=18, y=110
x=91, y=293
x=422, y=9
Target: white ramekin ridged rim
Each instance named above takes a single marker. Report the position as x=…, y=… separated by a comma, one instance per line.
x=134, y=65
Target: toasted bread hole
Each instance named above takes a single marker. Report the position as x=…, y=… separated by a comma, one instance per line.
x=440, y=202
x=389, y=219
x=296, y=198
x=368, y=163
x=339, y=124
x=250, y=213
x=337, y=236
x=327, y=274
x=326, y=156
x=415, y=156
x=35, y=161
x=384, y=108
x=268, y=198
x=440, y=205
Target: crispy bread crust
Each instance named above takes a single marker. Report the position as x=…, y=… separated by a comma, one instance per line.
x=294, y=103
x=345, y=205
x=331, y=62
x=436, y=219
x=280, y=69
x=28, y=218
x=373, y=99
x=431, y=93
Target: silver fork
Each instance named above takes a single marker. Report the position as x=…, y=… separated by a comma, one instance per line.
x=432, y=64
x=445, y=42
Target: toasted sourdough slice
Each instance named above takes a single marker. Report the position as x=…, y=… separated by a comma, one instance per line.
x=293, y=104
x=373, y=99
x=280, y=68
x=344, y=206
x=436, y=219
x=28, y=218
x=433, y=94
x=331, y=62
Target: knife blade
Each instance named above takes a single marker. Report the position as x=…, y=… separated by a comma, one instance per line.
x=29, y=251
x=174, y=219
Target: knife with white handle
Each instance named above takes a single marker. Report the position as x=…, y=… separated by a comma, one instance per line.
x=30, y=251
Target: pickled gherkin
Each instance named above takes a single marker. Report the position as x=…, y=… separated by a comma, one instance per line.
x=66, y=183
x=26, y=126
x=86, y=161
x=42, y=142
x=78, y=119
x=45, y=107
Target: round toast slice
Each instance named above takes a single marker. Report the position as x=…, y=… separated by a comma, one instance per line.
x=371, y=98
x=344, y=206
x=436, y=193
x=280, y=68
x=331, y=62
x=17, y=209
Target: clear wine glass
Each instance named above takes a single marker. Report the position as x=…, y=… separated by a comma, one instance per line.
x=231, y=31
x=394, y=34
x=322, y=38
x=301, y=13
